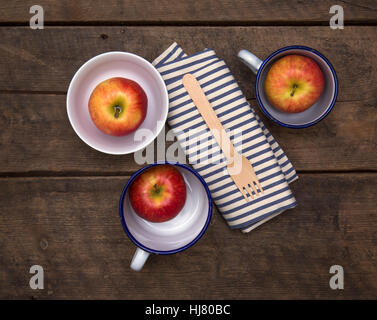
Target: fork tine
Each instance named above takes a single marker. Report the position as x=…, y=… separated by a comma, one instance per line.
x=249, y=191
x=244, y=194
x=259, y=185
x=254, y=189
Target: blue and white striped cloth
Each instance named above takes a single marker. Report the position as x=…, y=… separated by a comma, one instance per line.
x=271, y=165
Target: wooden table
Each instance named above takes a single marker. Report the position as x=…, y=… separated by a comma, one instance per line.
x=59, y=198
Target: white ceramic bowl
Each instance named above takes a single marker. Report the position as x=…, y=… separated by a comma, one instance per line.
x=105, y=66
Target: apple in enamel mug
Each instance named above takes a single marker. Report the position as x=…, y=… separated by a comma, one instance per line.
x=294, y=83
x=159, y=193
x=118, y=106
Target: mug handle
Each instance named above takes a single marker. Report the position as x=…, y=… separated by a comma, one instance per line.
x=139, y=259
x=251, y=60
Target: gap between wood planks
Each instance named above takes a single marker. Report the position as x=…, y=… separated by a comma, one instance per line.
x=126, y=174
x=251, y=23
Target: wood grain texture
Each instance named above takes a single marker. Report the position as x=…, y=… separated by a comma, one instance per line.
x=46, y=60
x=71, y=227
x=59, y=198
x=37, y=138
x=160, y=11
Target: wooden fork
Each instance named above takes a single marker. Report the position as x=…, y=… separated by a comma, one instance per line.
x=245, y=178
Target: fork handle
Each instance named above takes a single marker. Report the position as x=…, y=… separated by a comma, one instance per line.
x=197, y=95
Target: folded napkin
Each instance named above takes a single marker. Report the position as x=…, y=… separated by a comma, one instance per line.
x=247, y=133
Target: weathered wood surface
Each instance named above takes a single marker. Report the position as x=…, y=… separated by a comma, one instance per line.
x=59, y=197
x=71, y=227
x=37, y=138
x=46, y=60
x=209, y=11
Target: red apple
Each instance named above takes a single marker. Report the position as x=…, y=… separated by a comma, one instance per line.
x=294, y=83
x=159, y=193
x=118, y=106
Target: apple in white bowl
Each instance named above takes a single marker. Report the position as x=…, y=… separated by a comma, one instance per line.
x=118, y=106
x=294, y=83
x=158, y=194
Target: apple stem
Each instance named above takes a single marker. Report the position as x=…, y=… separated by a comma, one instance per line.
x=294, y=89
x=156, y=189
x=117, y=109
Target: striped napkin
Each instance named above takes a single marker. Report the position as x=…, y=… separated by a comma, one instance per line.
x=247, y=133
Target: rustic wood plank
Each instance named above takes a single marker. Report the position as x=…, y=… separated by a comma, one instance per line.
x=46, y=60
x=160, y=11
x=36, y=138
x=71, y=227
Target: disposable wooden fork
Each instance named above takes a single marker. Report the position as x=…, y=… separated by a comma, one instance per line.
x=245, y=178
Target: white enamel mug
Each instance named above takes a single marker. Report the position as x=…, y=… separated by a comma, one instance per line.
x=172, y=236
x=310, y=116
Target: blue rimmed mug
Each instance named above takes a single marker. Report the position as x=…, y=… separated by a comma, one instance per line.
x=172, y=236
x=310, y=116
